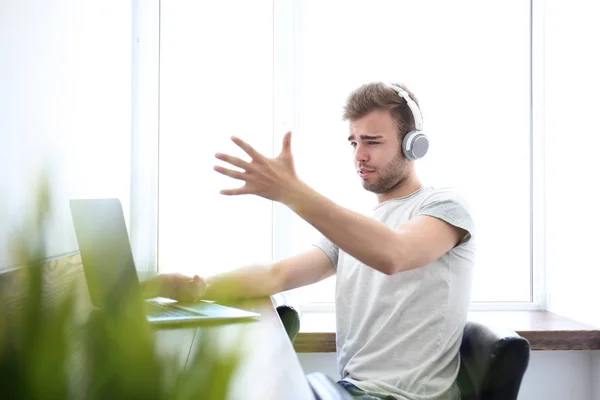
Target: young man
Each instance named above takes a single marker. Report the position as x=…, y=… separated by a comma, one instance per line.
x=403, y=275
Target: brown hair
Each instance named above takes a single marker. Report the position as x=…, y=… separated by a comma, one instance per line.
x=379, y=96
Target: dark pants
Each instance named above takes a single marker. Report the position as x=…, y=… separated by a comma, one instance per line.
x=360, y=394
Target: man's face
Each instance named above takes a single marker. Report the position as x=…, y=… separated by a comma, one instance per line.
x=378, y=157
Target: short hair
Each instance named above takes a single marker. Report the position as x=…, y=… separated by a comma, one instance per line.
x=380, y=96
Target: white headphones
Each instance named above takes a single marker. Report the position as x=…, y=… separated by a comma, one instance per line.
x=415, y=144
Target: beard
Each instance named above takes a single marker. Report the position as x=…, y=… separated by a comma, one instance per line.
x=389, y=177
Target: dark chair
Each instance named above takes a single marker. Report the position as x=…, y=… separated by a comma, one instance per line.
x=288, y=314
x=290, y=320
x=493, y=362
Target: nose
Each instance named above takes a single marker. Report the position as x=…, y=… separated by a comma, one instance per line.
x=361, y=153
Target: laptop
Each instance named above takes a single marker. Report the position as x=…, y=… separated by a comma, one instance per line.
x=111, y=275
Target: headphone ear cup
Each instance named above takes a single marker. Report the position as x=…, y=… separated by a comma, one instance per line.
x=415, y=145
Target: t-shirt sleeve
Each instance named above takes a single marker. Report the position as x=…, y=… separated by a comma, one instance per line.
x=329, y=248
x=449, y=206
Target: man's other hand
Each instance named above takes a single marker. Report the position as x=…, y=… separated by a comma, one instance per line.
x=175, y=286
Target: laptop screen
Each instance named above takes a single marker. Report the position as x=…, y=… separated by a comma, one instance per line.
x=105, y=252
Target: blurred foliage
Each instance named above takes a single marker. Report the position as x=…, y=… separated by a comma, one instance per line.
x=47, y=352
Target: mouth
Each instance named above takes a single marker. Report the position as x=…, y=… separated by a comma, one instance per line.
x=364, y=173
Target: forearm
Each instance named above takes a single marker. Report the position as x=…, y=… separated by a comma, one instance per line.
x=246, y=282
x=364, y=238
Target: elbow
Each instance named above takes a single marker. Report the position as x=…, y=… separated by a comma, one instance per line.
x=387, y=269
x=394, y=263
x=393, y=268
x=390, y=268
x=392, y=260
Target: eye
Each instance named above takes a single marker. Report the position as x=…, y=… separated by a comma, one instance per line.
x=373, y=143
x=353, y=144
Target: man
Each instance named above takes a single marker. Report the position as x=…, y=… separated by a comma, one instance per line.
x=403, y=275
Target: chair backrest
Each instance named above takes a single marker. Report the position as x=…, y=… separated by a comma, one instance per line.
x=290, y=320
x=493, y=363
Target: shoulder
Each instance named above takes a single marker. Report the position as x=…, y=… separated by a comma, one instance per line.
x=448, y=204
x=446, y=193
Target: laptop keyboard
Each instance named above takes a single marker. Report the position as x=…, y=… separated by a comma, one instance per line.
x=165, y=310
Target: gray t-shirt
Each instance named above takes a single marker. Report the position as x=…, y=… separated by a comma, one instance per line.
x=400, y=334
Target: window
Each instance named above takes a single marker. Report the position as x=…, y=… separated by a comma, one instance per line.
x=254, y=69
x=215, y=81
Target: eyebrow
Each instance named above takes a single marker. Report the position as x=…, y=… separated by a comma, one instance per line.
x=366, y=137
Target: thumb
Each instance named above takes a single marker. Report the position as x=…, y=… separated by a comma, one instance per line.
x=287, y=143
x=193, y=290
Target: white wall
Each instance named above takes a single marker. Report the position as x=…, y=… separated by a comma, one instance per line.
x=65, y=103
x=552, y=375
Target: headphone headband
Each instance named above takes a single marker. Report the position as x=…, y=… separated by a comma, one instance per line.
x=415, y=143
x=414, y=108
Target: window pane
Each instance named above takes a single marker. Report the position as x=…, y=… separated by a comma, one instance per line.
x=215, y=81
x=468, y=63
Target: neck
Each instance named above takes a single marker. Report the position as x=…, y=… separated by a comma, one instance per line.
x=409, y=185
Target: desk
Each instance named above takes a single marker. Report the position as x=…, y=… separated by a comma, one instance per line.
x=270, y=368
